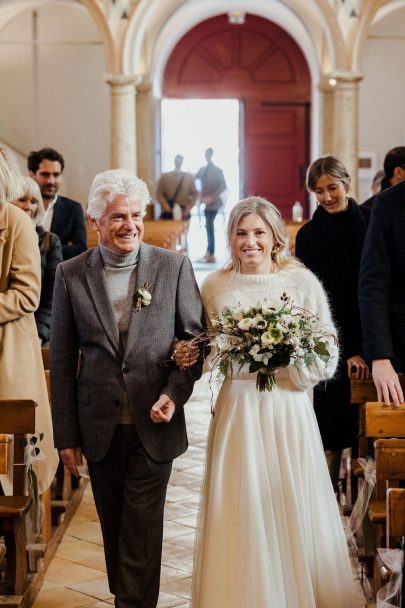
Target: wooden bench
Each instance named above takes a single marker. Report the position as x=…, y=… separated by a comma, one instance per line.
x=57, y=505
x=18, y=419
x=362, y=392
x=395, y=529
x=5, y=441
x=168, y=234
x=390, y=471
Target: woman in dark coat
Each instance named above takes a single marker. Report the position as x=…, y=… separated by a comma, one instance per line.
x=50, y=249
x=330, y=245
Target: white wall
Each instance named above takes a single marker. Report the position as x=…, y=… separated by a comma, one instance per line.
x=382, y=92
x=71, y=109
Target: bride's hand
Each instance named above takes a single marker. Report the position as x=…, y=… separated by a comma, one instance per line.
x=184, y=355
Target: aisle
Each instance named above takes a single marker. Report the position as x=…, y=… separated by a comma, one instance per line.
x=76, y=576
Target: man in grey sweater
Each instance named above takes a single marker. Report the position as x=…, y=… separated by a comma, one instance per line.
x=117, y=309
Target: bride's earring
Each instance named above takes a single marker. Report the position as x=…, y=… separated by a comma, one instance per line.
x=276, y=249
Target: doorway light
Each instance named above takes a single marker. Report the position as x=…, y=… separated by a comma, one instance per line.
x=236, y=17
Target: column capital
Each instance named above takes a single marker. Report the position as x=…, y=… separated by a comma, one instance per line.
x=345, y=77
x=122, y=80
x=144, y=86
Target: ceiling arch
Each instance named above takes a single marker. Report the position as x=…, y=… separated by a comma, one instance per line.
x=167, y=24
x=374, y=12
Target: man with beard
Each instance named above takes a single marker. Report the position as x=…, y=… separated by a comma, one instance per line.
x=63, y=216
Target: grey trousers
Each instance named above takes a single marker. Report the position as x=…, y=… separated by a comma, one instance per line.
x=129, y=491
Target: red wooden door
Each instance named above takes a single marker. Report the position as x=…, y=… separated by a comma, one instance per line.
x=275, y=151
x=260, y=64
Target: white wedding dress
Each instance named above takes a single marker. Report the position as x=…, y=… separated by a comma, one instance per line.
x=270, y=533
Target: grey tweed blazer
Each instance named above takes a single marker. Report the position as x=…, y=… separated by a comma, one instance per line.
x=86, y=406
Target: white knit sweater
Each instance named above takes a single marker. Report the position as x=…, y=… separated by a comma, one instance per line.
x=229, y=288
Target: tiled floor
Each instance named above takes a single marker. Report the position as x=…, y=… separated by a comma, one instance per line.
x=76, y=576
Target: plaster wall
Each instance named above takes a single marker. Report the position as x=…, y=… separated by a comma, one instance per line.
x=68, y=107
x=382, y=92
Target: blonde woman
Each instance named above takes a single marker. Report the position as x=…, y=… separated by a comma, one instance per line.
x=269, y=534
x=50, y=248
x=21, y=369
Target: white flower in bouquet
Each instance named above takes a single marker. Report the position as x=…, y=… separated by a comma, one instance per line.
x=267, y=336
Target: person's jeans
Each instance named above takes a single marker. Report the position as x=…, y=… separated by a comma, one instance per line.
x=209, y=226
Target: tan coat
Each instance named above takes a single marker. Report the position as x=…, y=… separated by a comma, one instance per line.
x=21, y=369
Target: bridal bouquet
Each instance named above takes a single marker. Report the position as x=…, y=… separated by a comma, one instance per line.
x=265, y=337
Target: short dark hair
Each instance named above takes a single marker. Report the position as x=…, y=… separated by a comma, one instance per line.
x=35, y=158
x=394, y=158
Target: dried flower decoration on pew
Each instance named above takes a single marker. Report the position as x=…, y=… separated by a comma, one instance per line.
x=33, y=453
x=265, y=337
x=142, y=296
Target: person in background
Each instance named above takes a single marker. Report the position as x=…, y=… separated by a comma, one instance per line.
x=330, y=245
x=63, y=216
x=176, y=186
x=50, y=248
x=21, y=369
x=118, y=307
x=376, y=182
x=382, y=293
x=394, y=172
x=212, y=185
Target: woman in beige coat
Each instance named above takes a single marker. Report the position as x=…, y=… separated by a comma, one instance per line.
x=21, y=368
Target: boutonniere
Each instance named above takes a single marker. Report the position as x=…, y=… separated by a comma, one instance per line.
x=142, y=296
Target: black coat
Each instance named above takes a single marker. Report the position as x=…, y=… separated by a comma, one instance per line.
x=69, y=224
x=382, y=279
x=330, y=245
x=51, y=254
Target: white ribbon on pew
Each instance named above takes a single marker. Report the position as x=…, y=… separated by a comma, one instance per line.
x=393, y=559
x=363, y=498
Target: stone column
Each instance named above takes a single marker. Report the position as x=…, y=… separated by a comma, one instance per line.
x=326, y=122
x=123, y=125
x=345, y=136
x=146, y=135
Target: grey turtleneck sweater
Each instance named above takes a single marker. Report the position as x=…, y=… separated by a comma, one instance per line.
x=120, y=277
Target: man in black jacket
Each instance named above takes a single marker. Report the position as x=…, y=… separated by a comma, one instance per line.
x=382, y=292
x=394, y=171
x=63, y=216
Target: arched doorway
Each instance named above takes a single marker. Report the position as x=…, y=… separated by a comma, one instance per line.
x=259, y=63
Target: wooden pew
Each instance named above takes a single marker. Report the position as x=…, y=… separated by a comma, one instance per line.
x=168, y=234
x=18, y=419
x=361, y=392
x=395, y=529
x=382, y=421
x=56, y=506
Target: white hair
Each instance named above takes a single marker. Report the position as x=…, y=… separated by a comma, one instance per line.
x=114, y=182
x=29, y=187
x=10, y=187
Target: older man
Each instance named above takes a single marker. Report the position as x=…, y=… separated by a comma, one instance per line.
x=120, y=306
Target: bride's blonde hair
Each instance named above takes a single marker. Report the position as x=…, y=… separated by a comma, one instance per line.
x=270, y=216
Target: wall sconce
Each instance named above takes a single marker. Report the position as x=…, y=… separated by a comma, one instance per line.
x=332, y=82
x=236, y=17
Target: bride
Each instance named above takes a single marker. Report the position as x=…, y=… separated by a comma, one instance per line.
x=269, y=534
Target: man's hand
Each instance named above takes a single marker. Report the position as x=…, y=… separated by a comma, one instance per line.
x=387, y=382
x=72, y=458
x=184, y=354
x=360, y=365
x=162, y=410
